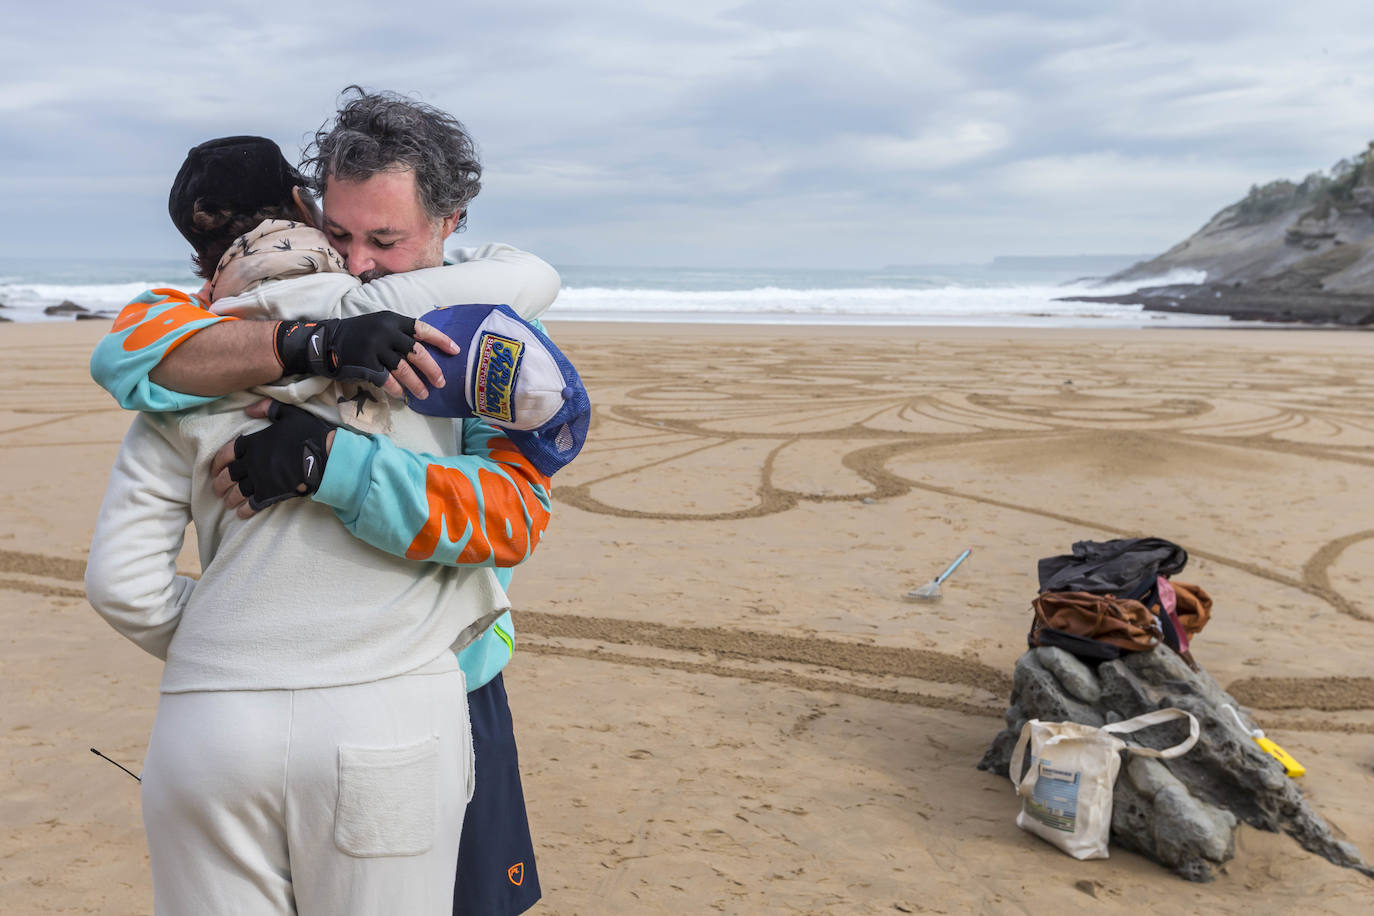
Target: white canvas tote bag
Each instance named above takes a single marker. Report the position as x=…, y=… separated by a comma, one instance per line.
x=1066, y=795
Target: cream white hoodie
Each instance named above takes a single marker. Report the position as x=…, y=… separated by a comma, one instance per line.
x=289, y=599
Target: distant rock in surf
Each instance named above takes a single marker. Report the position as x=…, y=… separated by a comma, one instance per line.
x=65, y=307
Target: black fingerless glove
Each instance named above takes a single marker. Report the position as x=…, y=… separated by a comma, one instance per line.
x=270, y=464
x=364, y=348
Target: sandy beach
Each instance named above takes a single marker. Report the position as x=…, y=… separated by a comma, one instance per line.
x=724, y=702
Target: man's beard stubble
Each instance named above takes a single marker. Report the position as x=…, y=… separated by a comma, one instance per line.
x=432, y=258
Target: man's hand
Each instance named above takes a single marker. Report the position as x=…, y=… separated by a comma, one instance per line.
x=382, y=348
x=279, y=462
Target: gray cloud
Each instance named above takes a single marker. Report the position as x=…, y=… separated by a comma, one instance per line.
x=713, y=133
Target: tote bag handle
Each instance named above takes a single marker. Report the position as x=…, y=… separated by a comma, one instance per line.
x=1157, y=717
x=1018, y=757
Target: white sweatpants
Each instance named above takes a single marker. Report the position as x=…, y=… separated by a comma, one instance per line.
x=338, y=800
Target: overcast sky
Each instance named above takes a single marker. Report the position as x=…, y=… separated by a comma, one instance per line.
x=707, y=133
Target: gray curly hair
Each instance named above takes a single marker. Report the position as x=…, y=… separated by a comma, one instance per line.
x=382, y=131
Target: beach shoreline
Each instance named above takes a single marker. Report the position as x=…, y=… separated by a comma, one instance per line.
x=722, y=697
x=1313, y=308
x=1007, y=292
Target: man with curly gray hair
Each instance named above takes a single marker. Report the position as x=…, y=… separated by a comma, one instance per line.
x=395, y=177
x=382, y=151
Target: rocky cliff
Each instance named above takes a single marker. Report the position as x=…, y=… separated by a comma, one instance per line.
x=1286, y=251
x=1317, y=235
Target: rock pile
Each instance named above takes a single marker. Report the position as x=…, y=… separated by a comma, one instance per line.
x=1182, y=813
x=65, y=307
x=79, y=312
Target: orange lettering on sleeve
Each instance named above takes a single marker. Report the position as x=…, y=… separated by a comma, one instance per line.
x=501, y=509
x=154, y=329
x=130, y=315
x=500, y=532
x=133, y=313
x=525, y=476
x=450, y=497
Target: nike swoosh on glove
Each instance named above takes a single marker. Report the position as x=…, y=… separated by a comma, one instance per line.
x=283, y=460
x=363, y=348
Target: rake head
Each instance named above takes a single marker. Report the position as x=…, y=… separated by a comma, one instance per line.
x=931, y=590
x=928, y=592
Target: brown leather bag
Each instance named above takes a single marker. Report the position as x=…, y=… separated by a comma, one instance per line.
x=1119, y=622
x=1193, y=606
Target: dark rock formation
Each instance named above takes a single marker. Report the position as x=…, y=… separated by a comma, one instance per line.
x=1257, y=302
x=65, y=307
x=1181, y=812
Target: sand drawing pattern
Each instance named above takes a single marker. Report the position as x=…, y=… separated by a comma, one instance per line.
x=875, y=409
x=867, y=415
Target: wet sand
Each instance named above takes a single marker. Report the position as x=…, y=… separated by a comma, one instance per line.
x=723, y=700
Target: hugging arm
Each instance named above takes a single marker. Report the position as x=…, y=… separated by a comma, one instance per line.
x=167, y=351
x=486, y=507
x=148, y=332
x=494, y=274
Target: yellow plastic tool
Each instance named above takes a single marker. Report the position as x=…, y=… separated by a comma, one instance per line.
x=1290, y=765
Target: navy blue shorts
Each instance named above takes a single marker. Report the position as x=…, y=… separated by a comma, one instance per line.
x=496, y=873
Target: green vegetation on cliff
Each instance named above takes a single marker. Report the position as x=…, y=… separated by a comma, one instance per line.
x=1312, y=237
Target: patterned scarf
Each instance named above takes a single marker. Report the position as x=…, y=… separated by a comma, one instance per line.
x=275, y=250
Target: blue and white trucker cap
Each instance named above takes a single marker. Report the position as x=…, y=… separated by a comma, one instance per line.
x=514, y=377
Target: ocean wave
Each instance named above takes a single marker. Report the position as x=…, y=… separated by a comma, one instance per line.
x=88, y=294
x=1182, y=276
x=25, y=301
x=949, y=304
x=1030, y=304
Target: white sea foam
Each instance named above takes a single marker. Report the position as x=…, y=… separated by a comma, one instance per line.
x=1021, y=305
x=1182, y=276
x=26, y=301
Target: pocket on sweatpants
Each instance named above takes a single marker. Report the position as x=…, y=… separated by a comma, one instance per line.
x=386, y=799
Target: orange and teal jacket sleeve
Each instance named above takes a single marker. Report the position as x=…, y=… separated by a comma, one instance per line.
x=149, y=328
x=486, y=507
